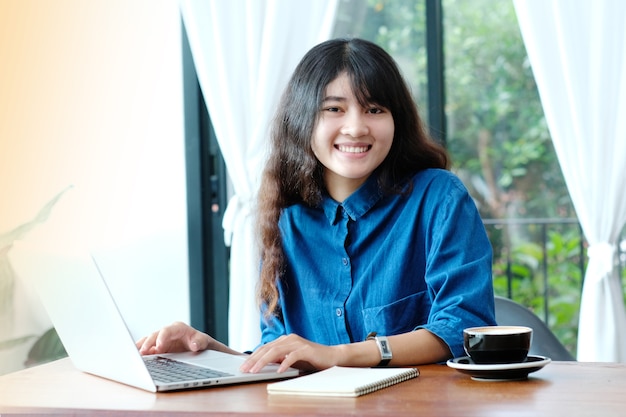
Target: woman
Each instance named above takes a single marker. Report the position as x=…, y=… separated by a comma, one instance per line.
x=372, y=252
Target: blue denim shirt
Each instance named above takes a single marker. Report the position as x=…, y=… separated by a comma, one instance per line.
x=388, y=263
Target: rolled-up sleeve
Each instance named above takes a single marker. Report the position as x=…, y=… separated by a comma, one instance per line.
x=458, y=268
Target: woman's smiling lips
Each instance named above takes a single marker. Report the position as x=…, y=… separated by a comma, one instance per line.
x=353, y=148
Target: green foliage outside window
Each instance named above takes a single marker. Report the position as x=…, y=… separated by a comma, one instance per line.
x=527, y=271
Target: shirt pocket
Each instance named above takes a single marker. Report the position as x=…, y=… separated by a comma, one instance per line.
x=401, y=316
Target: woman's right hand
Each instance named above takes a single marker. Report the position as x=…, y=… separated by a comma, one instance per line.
x=177, y=337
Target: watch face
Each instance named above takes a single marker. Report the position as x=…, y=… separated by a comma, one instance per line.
x=383, y=347
x=386, y=352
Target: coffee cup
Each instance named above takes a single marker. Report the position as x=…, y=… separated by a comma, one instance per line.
x=497, y=344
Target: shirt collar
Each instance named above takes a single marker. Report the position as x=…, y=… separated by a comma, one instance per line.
x=357, y=204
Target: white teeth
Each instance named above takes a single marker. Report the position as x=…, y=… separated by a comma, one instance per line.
x=352, y=149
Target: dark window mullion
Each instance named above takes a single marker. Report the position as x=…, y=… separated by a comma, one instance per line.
x=206, y=202
x=436, y=79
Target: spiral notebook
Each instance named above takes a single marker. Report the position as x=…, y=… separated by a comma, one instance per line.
x=341, y=381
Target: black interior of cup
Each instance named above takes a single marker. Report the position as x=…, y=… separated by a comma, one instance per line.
x=497, y=344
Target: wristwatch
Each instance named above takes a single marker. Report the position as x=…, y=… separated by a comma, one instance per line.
x=383, y=347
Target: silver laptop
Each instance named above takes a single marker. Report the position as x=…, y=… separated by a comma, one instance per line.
x=98, y=341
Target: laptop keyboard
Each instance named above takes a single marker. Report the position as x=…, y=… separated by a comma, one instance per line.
x=169, y=370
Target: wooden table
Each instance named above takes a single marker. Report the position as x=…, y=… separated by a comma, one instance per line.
x=559, y=389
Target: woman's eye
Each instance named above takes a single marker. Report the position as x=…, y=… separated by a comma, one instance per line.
x=375, y=110
x=332, y=109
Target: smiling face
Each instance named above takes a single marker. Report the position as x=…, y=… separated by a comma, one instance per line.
x=350, y=140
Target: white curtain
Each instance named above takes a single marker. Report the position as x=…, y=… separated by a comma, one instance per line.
x=577, y=50
x=244, y=52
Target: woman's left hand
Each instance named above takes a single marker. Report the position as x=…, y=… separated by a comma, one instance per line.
x=293, y=350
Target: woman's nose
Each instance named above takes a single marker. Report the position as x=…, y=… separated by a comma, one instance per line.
x=355, y=125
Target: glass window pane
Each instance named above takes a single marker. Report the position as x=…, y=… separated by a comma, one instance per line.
x=497, y=134
x=502, y=150
x=399, y=26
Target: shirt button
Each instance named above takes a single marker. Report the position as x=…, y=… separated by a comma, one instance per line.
x=344, y=261
x=339, y=312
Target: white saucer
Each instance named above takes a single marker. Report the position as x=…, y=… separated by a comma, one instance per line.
x=501, y=372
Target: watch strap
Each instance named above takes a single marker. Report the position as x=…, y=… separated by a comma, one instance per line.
x=383, y=347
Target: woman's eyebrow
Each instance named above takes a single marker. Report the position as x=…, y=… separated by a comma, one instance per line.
x=334, y=98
